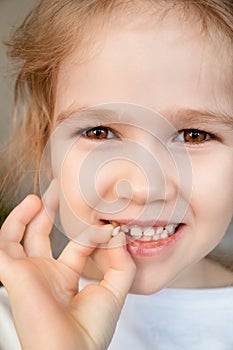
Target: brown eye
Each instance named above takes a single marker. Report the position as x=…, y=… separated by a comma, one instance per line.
x=99, y=133
x=192, y=136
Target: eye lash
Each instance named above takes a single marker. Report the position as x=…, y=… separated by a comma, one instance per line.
x=213, y=135
x=80, y=132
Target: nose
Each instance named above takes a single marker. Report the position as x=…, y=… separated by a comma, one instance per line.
x=146, y=182
x=133, y=174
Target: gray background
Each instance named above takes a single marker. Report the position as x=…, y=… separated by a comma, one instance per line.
x=11, y=13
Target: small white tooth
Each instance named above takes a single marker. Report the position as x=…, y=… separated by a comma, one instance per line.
x=156, y=237
x=149, y=232
x=172, y=232
x=164, y=234
x=159, y=230
x=146, y=238
x=116, y=230
x=125, y=228
x=136, y=232
x=170, y=228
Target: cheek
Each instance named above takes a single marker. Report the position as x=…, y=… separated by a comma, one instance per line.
x=72, y=211
x=75, y=207
x=212, y=198
x=72, y=204
x=69, y=181
x=82, y=185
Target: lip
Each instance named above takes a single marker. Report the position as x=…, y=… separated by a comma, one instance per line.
x=141, y=223
x=140, y=248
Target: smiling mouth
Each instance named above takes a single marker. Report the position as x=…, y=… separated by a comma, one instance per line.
x=144, y=233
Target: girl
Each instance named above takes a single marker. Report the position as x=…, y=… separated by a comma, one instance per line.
x=126, y=108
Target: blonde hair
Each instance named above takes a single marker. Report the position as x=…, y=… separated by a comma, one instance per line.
x=51, y=31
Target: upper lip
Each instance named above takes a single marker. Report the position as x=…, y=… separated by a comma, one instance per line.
x=142, y=223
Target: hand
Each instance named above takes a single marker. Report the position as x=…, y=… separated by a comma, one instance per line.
x=48, y=310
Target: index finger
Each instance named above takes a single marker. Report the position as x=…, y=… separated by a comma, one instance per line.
x=13, y=228
x=121, y=271
x=36, y=241
x=76, y=253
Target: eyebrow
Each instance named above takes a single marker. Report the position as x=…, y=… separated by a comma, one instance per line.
x=188, y=115
x=84, y=112
x=201, y=116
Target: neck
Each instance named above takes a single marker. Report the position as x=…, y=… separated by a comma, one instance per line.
x=205, y=274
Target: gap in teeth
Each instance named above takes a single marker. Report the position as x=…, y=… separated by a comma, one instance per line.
x=146, y=234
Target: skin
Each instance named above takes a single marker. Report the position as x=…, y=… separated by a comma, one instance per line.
x=41, y=286
x=163, y=58
x=45, y=302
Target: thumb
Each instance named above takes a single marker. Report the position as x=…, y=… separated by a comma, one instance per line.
x=107, y=298
x=121, y=271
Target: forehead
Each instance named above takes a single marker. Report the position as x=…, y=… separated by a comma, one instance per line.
x=152, y=64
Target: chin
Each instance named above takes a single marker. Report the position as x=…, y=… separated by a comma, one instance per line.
x=144, y=290
x=145, y=285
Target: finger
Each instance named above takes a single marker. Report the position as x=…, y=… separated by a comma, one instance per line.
x=121, y=271
x=75, y=256
x=37, y=241
x=5, y=261
x=14, y=226
x=76, y=252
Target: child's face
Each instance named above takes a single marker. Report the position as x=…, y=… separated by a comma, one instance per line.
x=165, y=68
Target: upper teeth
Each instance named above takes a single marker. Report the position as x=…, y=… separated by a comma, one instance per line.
x=147, y=233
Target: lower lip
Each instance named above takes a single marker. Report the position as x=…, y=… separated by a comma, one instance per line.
x=153, y=248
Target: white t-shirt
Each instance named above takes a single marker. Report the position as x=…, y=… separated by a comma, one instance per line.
x=8, y=337
x=177, y=319
x=172, y=319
